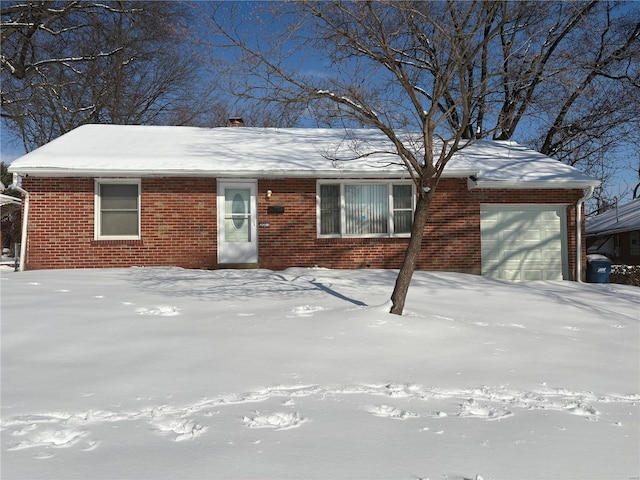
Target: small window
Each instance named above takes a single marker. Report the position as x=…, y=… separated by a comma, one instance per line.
x=634, y=243
x=374, y=209
x=330, y=209
x=117, y=209
x=402, y=208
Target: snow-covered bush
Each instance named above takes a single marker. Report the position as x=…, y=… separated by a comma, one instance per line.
x=625, y=274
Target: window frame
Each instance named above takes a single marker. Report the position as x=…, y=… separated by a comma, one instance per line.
x=634, y=243
x=342, y=204
x=98, y=182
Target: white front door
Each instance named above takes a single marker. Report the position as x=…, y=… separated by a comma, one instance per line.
x=237, y=227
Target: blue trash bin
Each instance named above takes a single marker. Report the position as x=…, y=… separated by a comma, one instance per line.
x=598, y=269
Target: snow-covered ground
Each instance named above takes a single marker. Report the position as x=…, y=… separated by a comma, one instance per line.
x=165, y=373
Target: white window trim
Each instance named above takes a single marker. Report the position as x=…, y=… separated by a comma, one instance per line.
x=97, y=207
x=342, y=184
x=634, y=248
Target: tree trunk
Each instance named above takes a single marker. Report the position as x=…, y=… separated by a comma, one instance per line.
x=403, y=280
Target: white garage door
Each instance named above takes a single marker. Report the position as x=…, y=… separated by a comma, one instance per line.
x=524, y=242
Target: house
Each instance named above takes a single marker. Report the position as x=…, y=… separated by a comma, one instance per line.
x=118, y=196
x=616, y=233
x=8, y=205
x=9, y=223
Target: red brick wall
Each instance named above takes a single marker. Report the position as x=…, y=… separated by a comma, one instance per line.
x=560, y=197
x=452, y=235
x=179, y=227
x=178, y=220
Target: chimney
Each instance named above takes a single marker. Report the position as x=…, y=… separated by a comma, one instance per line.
x=236, y=122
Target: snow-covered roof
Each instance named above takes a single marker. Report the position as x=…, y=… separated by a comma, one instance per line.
x=133, y=150
x=621, y=219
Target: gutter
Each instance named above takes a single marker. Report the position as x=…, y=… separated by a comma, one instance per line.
x=474, y=183
x=25, y=218
x=370, y=173
x=579, y=207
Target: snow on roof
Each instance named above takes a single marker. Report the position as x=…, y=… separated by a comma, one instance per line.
x=621, y=219
x=135, y=150
x=506, y=164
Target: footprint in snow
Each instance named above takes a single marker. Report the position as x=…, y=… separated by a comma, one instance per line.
x=472, y=409
x=91, y=445
x=277, y=420
x=161, y=310
x=390, y=412
x=304, y=311
x=43, y=456
x=581, y=410
x=51, y=438
x=183, y=428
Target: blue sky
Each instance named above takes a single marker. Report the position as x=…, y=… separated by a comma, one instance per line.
x=625, y=180
x=10, y=148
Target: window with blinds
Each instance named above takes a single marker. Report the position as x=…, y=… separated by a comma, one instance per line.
x=358, y=209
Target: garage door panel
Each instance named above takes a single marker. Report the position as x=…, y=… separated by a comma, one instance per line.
x=533, y=256
x=533, y=235
x=532, y=275
x=511, y=275
x=523, y=242
x=512, y=255
x=552, y=256
x=553, y=275
x=551, y=236
x=492, y=235
x=550, y=215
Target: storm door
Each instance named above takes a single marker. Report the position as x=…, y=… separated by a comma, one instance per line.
x=237, y=232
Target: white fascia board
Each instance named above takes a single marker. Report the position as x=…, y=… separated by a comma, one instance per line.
x=610, y=231
x=498, y=184
x=332, y=173
x=40, y=172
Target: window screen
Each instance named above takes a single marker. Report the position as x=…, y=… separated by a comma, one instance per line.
x=118, y=210
x=329, y=209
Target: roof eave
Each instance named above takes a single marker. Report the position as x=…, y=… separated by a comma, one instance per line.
x=524, y=185
x=329, y=173
x=611, y=231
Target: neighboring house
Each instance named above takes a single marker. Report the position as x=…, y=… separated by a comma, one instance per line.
x=9, y=220
x=616, y=234
x=8, y=205
x=118, y=196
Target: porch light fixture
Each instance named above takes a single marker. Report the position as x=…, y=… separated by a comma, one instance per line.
x=269, y=193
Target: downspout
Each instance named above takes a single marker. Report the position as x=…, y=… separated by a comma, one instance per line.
x=25, y=218
x=579, y=207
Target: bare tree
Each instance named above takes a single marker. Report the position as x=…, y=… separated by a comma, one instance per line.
x=450, y=71
x=570, y=73
x=69, y=63
x=393, y=65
